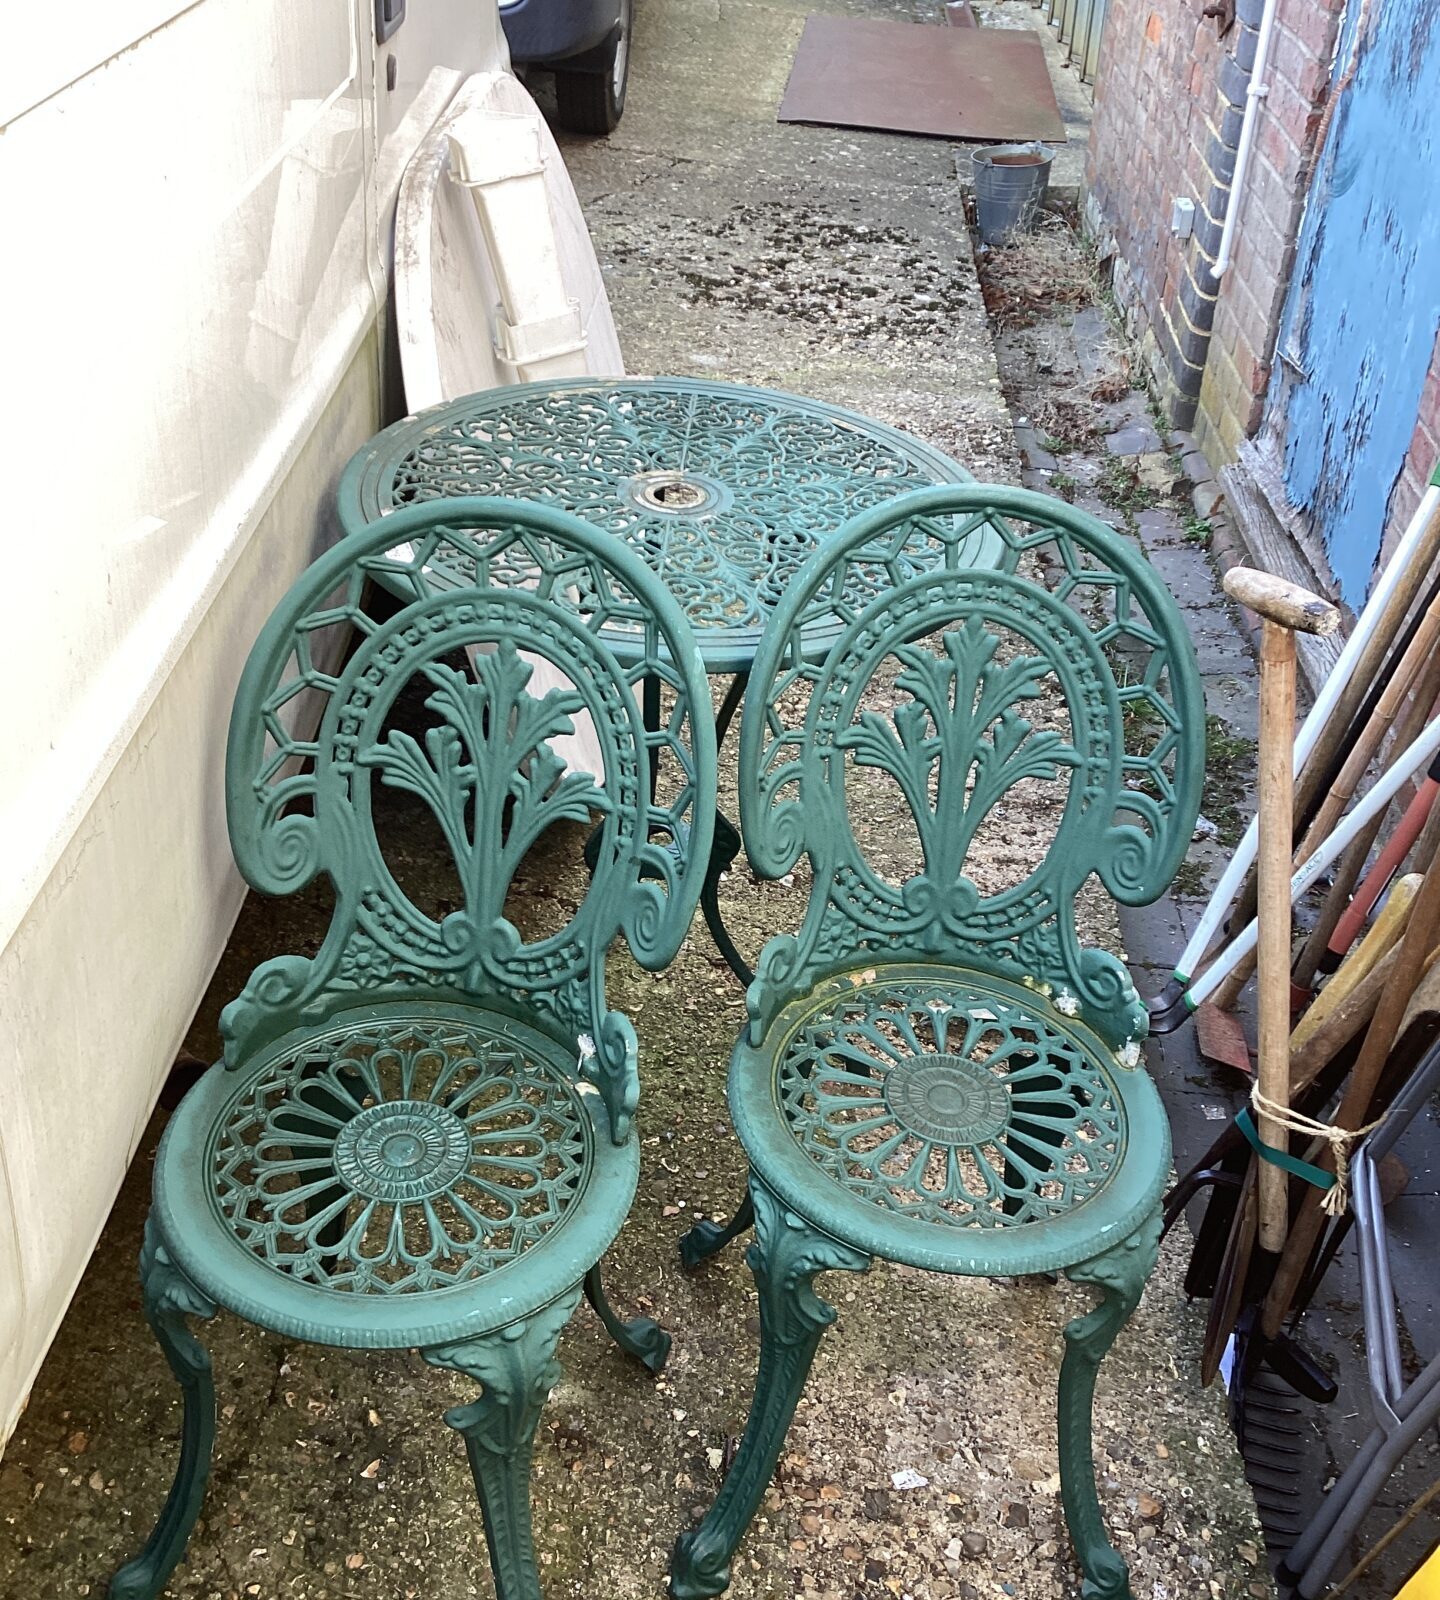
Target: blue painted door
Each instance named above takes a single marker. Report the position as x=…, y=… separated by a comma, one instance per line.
x=1364, y=299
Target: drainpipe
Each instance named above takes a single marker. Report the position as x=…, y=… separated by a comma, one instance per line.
x=1254, y=94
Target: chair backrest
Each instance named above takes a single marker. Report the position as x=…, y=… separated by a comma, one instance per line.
x=493, y=586
x=1054, y=694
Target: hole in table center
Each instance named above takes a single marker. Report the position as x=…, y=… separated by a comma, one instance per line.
x=679, y=496
x=676, y=493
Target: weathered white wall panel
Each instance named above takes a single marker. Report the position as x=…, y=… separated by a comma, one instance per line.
x=197, y=204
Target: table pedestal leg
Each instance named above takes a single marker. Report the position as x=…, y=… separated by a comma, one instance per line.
x=722, y=854
x=726, y=845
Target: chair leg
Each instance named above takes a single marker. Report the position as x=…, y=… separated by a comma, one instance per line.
x=517, y=1369
x=641, y=1337
x=708, y=1238
x=1120, y=1274
x=785, y=1258
x=169, y=1299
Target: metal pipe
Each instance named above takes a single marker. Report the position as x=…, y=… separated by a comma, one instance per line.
x=1255, y=92
x=1311, y=728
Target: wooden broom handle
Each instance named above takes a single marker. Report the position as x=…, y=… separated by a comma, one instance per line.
x=1280, y=601
x=1286, y=609
x=1413, y=957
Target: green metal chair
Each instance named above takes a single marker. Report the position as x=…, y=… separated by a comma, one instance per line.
x=936, y=1072
x=423, y=1136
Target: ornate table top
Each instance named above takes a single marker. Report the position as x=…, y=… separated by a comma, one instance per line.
x=723, y=490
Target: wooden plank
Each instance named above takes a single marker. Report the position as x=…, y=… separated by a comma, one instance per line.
x=1274, y=547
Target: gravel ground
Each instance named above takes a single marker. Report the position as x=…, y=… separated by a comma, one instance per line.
x=334, y=1476
x=836, y=264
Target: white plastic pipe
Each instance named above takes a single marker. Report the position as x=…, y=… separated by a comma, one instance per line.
x=1311, y=728
x=1415, y=756
x=1254, y=94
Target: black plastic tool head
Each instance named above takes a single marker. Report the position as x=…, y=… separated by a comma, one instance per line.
x=1168, y=1009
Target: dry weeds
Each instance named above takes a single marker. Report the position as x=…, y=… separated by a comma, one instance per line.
x=1038, y=272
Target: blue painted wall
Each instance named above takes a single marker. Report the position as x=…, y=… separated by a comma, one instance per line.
x=1364, y=301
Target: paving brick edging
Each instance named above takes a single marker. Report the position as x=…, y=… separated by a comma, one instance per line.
x=1226, y=544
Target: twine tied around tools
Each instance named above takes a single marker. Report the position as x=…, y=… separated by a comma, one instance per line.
x=1340, y=1140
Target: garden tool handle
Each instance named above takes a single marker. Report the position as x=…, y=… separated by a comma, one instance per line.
x=1279, y=601
x=1286, y=609
x=1397, y=847
x=1285, y=605
x=1412, y=960
x=1336, y=703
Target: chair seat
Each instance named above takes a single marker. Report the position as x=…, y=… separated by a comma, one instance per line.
x=949, y=1119
x=410, y=1174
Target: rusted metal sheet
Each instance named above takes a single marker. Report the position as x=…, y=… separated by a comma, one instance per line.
x=955, y=83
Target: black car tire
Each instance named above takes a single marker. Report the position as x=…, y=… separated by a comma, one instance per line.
x=593, y=102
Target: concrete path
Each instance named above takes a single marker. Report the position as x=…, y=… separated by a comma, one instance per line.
x=1085, y=435
x=829, y=262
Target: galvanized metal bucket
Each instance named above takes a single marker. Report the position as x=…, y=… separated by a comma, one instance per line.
x=1010, y=185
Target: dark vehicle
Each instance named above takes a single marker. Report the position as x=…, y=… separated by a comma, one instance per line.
x=587, y=45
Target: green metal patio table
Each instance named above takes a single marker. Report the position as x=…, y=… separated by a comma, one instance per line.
x=722, y=490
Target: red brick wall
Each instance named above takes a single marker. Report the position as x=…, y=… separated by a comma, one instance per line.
x=1423, y=456
x=1252, y=298
x=1155, y=105
x=1170, y=96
